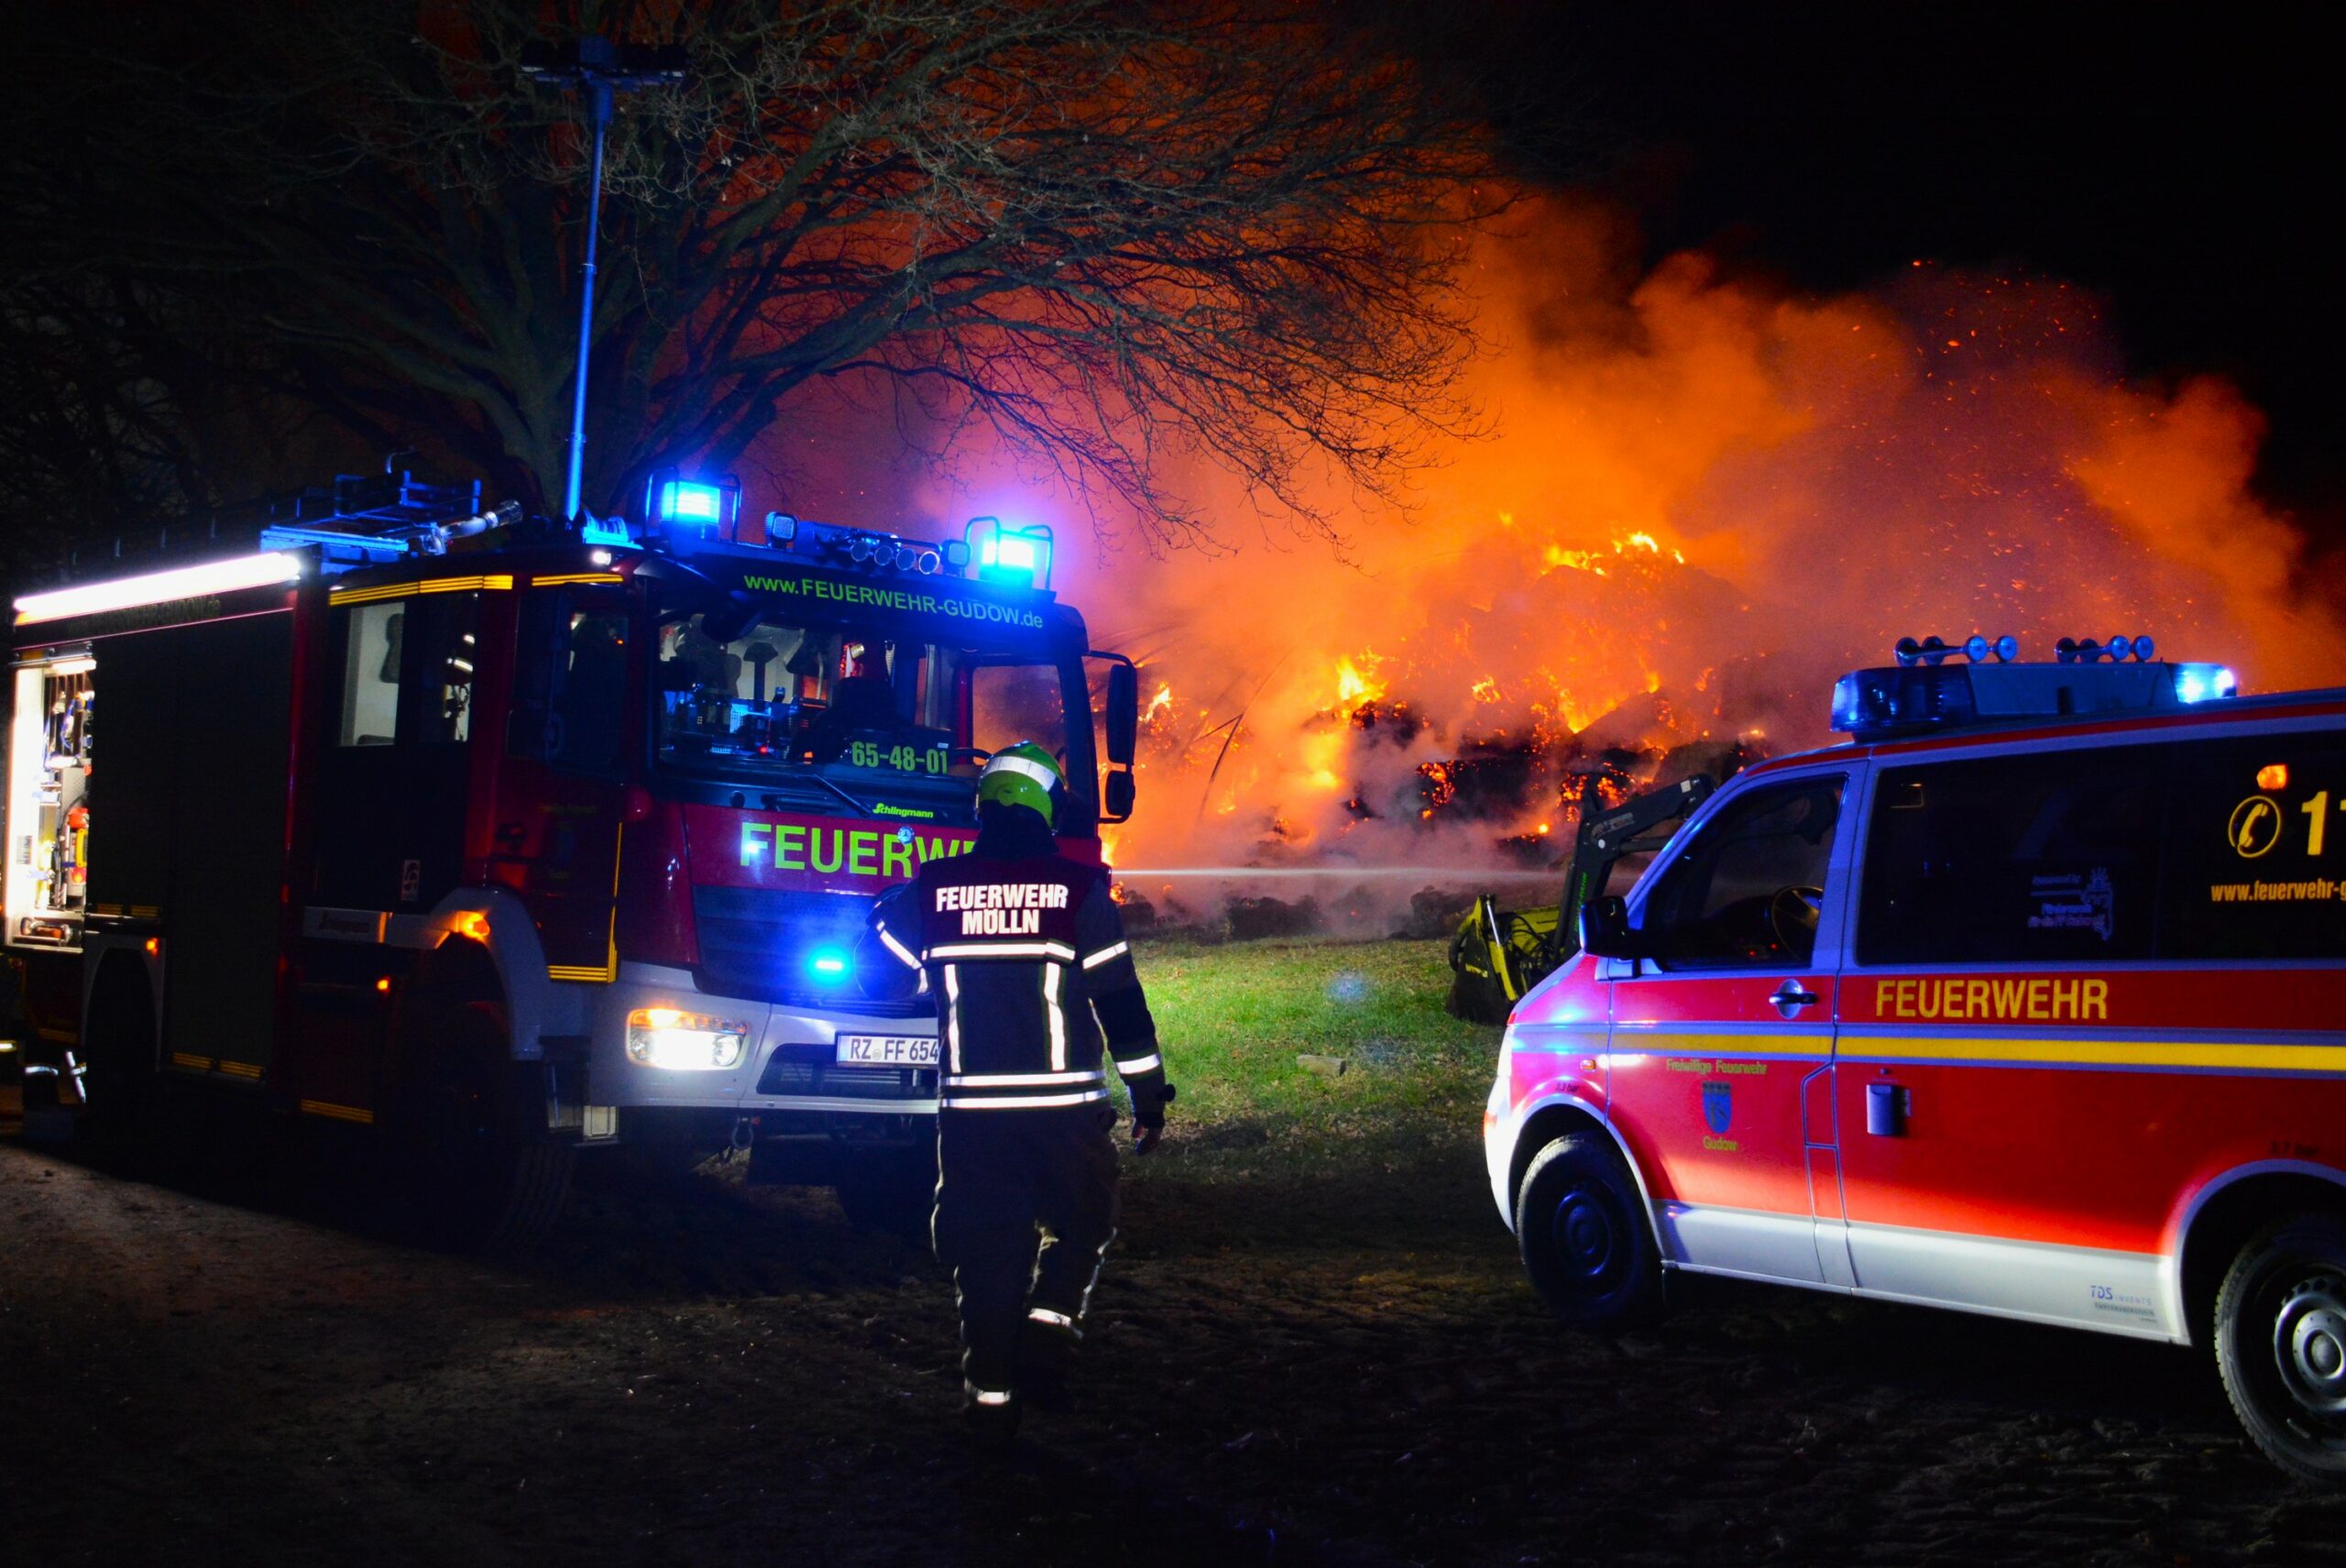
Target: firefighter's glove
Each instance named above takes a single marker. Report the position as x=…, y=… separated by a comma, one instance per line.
x=1148, y=1124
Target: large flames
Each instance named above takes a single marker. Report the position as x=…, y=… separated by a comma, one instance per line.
x=1702, y=498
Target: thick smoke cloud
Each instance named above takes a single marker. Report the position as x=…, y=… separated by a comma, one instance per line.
x=1700, y=498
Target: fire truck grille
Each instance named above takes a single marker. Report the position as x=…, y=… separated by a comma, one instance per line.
x=754, y=942
x=808, y=1069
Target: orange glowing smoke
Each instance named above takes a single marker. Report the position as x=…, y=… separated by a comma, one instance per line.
x=1702, y=498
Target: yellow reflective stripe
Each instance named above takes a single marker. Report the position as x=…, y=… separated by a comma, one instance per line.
x=556, y=582
x=2097, y=1053
x=338, y=1112
x=432, y=585
x=1664, y=1042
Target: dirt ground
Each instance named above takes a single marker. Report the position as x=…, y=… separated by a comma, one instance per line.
x=230, y=1365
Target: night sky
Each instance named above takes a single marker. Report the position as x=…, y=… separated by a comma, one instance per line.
x=2179, y=161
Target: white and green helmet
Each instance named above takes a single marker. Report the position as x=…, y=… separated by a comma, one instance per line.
x=1023, y=773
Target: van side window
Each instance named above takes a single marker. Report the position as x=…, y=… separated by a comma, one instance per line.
x=570, y=679
x=2258, y=837
x=2046, y=858
x=1746, y=891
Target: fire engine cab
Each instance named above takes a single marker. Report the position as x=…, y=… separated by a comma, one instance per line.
x=508, y=840
x=2029, y=1000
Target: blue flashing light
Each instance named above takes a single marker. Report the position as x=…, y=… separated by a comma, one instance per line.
x=705, y=507
x=829, y=965
x=2203, y=683
x=1006, y=554
x=681, y=501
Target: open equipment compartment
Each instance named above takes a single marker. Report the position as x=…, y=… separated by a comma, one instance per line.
x=48, y=806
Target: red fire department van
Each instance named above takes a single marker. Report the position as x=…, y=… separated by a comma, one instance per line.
x=512, y=840
x=2030, y=1001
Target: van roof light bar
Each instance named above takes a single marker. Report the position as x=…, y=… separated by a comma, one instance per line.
x=1921, y=694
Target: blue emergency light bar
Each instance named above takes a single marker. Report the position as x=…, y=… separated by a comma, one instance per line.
x=1924, y=693
x=1003, y=554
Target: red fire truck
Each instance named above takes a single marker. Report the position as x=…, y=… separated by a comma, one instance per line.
x=2030, y=1002
x=511, y=840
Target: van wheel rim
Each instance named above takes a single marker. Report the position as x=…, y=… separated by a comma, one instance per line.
x=2310, y=1344
x=1587, y=1241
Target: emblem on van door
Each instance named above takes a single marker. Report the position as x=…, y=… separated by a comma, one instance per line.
x=2255, y=826
x=1718, y=1107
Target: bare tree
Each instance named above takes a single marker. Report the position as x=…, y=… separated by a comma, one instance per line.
x=1103, y=229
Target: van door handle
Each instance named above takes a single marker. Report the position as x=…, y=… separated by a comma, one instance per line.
x=1790, y=997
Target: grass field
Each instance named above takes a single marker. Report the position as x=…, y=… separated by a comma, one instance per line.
x=1235, y=1018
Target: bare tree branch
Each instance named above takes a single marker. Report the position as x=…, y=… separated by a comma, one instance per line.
x=1108, y=231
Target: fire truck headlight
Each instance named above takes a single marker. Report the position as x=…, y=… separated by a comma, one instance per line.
x=678, y=1041
x=829, y=966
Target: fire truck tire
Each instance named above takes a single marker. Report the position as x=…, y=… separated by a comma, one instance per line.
x=1586, y=1245
x=477, y=1182
x=2281, y=1344
x=892, y=1194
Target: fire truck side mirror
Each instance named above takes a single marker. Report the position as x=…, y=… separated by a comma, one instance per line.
x=1116, y=801
x=1122, y=715
x=1605, y=930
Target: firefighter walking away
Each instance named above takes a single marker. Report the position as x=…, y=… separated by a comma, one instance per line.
x=1025, y=953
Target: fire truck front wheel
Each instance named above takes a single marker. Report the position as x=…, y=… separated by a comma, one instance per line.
x=2281, y=1344
x=476, y=1179
x=1581, y=1228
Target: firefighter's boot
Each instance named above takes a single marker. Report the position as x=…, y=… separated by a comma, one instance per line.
x=992, y=1416
x=1046, y=1361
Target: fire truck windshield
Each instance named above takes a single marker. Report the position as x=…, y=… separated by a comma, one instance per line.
x=866, y=707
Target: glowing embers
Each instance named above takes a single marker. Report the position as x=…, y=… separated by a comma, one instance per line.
x=678, y=1041
x=160, y=587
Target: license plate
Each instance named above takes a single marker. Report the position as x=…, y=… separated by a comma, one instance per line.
x=888, y=1050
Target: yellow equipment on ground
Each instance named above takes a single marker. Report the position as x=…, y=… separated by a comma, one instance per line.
x=1498, y=955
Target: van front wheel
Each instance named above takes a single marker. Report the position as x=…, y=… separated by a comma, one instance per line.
x=2281, y=1344
x=1581, y=1230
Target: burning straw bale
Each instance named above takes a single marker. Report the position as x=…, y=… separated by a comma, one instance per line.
x=1251, y=919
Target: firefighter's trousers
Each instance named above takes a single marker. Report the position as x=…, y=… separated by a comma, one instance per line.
x=1025, y=1208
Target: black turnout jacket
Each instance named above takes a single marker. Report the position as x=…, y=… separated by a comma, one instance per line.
x=1026, y=955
